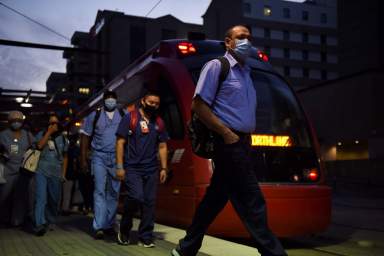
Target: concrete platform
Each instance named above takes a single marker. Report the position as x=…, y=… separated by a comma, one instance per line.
x=72, y=236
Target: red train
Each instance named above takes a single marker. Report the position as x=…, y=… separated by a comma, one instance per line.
x=285, y=148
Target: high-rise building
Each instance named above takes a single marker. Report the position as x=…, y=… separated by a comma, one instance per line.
x=300, y=38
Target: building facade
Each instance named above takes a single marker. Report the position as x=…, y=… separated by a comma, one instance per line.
x=300, y=38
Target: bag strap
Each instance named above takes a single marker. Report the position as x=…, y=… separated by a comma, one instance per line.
x=97, y=116
x=224, y=71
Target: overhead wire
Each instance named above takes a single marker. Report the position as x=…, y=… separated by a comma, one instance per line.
x=35, y=21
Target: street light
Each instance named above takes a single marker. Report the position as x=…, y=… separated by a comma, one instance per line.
x=26, y=105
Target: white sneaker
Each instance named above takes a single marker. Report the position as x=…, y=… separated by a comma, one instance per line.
x=146, y=244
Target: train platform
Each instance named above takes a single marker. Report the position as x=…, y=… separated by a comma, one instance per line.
x=72, y=236
x=357, y=229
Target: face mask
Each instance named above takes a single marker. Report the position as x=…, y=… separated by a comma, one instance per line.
x=16, y=125
x=110, y=104
x=243, y=48
x=150, y=110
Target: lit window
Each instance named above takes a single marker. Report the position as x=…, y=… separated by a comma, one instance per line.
x=63, y=89
x=84, y=90
x=267, y=10
x=286, y=13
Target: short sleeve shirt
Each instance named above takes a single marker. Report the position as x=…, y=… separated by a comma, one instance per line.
x=14, y=149
x=235, y=102
x=140, y=153
x=51, y=158
x=104, y=138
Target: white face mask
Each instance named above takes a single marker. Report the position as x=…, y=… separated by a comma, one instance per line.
x=243, y=48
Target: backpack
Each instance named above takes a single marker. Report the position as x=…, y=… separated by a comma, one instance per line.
x=202, y=139
x=135, y=117
x=97, y=116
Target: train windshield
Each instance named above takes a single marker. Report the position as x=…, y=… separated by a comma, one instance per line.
x=282, y=146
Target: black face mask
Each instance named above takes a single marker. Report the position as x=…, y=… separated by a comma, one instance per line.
x=150, y=110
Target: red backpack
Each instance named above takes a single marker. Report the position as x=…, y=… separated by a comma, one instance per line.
x=135, y=117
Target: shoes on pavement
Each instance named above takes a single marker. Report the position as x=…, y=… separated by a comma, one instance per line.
x=146, y=243
x=99, y=234
x=122, y=239
x=176, y=252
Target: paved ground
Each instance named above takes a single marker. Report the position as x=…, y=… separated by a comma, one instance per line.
x=357, y=229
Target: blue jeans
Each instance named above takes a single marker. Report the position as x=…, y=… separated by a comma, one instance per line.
x=141, y=189
x=48, y=193
x=233, y=179
x=107, y=188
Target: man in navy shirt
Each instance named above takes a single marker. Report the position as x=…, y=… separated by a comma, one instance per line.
x=141, y=136
x=231, y=113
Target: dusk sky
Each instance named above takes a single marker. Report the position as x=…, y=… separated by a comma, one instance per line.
x=24, y=68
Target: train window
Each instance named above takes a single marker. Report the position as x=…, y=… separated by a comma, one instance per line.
x=169, y=111
x=277, y=109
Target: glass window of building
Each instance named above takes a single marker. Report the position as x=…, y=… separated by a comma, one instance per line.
x=305, y=55
x=323, y=18
x=305, y=72
x=286, y=53
x=267, y=10
x=247, y=8
x=286, y=13
x=267, y=33
x=305, y=15
x=305, y=37
x=324, y=75
x=287, y=71
x=286, y=35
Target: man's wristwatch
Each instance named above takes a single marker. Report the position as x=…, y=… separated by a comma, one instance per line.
x=119, y=166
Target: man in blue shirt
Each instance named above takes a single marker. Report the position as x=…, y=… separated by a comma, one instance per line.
x=140, y=138
x=231, y=114
x=101, y=126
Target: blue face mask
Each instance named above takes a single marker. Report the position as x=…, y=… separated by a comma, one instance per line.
x=110, y=104
x=16, y=125
x=243, y=48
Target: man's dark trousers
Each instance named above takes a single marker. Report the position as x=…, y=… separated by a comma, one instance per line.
x=141, y=189
x=233, y=179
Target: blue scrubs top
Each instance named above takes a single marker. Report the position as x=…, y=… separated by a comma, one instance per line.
x=104, y=139
x=235, y=102
x=51, y=159
x=141, y=149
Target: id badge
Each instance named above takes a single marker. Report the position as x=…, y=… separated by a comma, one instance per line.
x=14, y=149
x=144, y=127
x=51, y=145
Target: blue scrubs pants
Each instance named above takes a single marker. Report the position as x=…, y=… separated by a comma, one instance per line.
x=106, y=192
x=141, y=189
x=48, y=194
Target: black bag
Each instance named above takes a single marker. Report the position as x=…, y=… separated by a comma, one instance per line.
x=202, y=139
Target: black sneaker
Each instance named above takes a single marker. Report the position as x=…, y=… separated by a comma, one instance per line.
x=99, y=234
x=176, y=252
x=146, y=243
x=122, y=239
x=41, y=231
